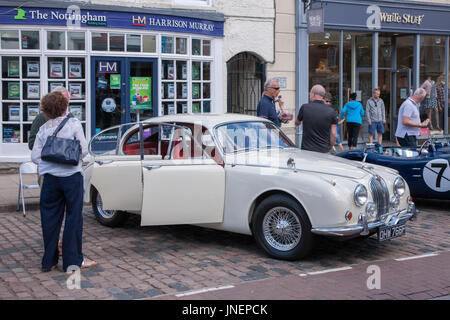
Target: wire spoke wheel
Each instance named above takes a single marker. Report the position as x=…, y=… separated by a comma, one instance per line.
x=107, y=214
x=282, y=229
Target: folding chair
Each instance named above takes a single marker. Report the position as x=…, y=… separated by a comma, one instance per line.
x=26, y=168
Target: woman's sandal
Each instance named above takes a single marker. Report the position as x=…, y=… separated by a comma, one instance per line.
x=49, y=269
x=87, y=264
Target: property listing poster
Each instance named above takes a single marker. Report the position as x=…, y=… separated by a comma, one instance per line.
x=140, y=93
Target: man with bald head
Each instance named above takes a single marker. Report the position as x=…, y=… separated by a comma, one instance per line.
x=319, y=122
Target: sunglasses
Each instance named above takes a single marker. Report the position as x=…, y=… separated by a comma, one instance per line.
x=276, y=88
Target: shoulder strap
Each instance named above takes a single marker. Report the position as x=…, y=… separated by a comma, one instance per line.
x=61, y=125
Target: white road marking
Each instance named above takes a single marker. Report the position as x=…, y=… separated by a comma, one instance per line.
x=324, y=271
x=417, y=257
x=203, y=290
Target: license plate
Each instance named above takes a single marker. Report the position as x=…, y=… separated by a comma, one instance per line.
x=390, y=232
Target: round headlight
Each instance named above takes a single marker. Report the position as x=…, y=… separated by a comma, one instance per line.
x=399, y=187
x=360, y=195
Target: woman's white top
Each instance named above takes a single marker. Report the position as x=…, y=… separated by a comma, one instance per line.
x=71, y=129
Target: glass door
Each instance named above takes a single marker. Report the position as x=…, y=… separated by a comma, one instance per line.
x=123, y=90
x=401, y=90
x=108, y=105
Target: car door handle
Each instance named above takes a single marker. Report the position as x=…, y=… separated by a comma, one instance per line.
x=151, y=166
x=100, y=162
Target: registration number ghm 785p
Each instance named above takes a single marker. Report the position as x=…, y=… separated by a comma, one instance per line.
x=390, y=232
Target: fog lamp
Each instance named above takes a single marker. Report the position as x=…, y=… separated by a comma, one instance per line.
x=371, y=210
x=395, y=202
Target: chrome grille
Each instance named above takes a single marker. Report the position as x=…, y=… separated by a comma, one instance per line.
x=380, y=194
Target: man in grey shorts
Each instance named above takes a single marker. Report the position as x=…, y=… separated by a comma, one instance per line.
x=376, y=116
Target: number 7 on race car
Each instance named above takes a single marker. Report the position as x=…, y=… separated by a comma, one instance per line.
x=443, y=166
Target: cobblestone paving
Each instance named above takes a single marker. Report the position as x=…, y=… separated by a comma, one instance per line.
x=143, y=262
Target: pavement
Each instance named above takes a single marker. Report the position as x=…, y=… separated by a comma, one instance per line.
x=188, y=263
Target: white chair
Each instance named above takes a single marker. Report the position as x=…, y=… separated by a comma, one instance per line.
x=26, y=168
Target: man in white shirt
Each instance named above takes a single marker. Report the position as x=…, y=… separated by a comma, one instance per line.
x=408, y=125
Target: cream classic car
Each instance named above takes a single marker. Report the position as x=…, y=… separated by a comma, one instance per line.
x=241, y=174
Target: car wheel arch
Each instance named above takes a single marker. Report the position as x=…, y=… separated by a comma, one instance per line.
x=266, y=195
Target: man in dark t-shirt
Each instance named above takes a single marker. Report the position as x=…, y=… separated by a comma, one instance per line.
x=317, y=118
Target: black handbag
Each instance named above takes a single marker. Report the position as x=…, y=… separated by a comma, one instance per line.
x=61, y=150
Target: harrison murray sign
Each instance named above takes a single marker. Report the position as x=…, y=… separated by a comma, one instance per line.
x=73, y=16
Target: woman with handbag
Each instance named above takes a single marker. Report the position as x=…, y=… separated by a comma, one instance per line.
x=58, y=150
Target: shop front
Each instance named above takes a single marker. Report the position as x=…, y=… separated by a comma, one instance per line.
x=393, y=46
x=118, y=66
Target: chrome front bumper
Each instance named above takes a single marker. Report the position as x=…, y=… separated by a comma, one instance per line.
x=364, y=227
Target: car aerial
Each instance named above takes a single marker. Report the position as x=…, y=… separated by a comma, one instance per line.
x=241, y=174
x=426, y=169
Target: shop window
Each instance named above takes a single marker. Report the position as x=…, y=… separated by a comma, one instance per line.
x=76, y=40
x=10, y=67
x=179, y=94
x=206, y=47
x=181, y=45
x=21, y=93
x=166, y=44
x=245, y=78
x=116, y=42
x=133, y=43
x=142, y=93
x=31, y=67
x=149, y=43
x=432, y=71
x=324, y=62
x=56, y=40
x=99, y=41
x=10, y=39
x=56, y=67
x=196, y=47
x=201, y=89
x=30, y=39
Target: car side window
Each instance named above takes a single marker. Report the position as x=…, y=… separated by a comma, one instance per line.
x=150, y=135
x=184, y=146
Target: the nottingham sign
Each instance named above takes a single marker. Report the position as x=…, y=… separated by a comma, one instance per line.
x=110, y=19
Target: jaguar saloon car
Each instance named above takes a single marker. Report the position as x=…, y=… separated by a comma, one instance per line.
x=240, y=174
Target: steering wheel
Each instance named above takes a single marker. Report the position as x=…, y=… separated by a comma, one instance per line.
x=423, y=145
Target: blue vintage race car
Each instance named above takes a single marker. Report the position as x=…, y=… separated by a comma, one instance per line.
x=426, y=169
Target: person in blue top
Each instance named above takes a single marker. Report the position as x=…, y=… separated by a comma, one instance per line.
x=353, y=112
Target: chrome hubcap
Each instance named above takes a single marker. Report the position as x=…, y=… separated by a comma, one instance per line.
x=107, y=214
x=282, y=229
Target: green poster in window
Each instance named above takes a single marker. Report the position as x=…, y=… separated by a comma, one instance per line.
x=141, y=93
x=115, y=81
x=196, y=107
x=14, y=90
x=13, y=68
x=196, y=91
